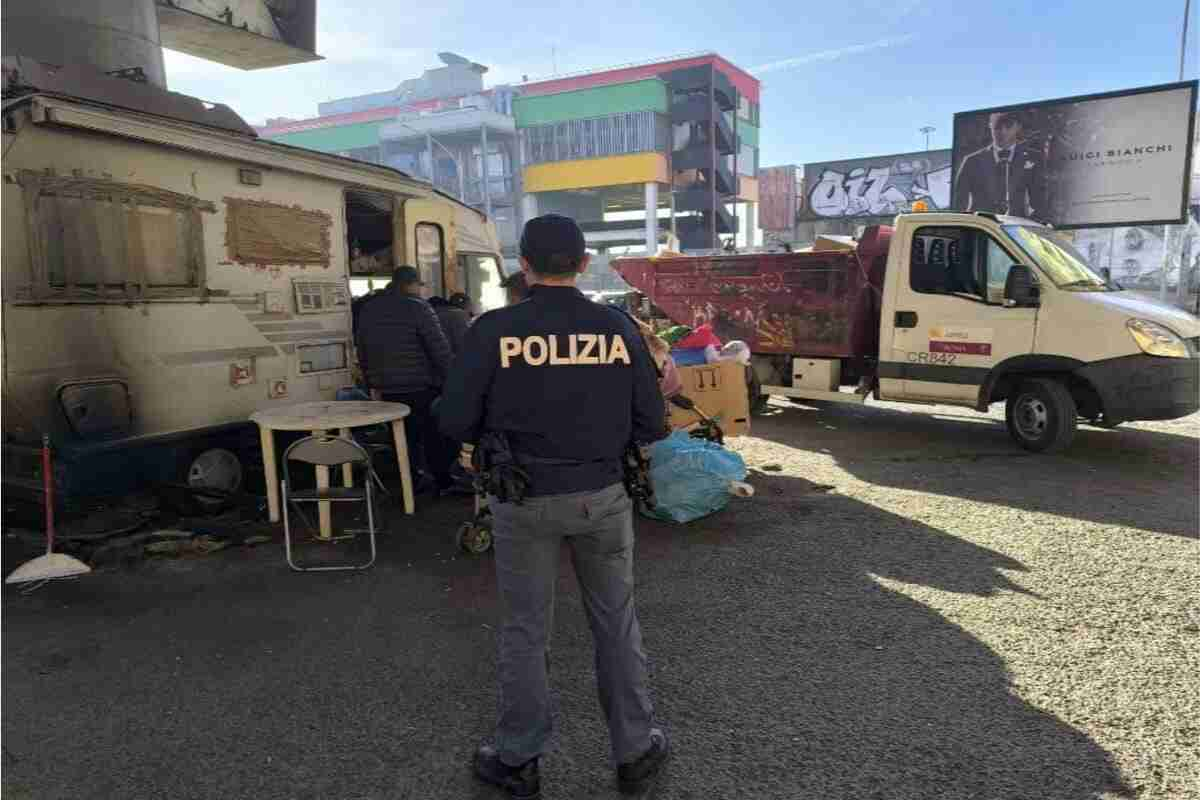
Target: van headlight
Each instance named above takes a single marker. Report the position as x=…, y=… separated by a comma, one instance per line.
x=1156, y=340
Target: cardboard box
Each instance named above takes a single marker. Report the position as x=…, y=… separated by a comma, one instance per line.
x=720, y=392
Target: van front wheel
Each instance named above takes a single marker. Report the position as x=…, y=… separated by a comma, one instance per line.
x=1042, y=416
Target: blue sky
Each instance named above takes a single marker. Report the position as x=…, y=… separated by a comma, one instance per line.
x=840, y=79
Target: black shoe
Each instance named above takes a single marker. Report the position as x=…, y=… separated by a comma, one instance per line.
x=521, y=782
x=639, y=775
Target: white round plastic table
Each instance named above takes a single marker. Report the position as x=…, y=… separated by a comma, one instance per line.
x=323, y=416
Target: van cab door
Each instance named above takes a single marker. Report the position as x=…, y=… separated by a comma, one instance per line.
x=948, y=319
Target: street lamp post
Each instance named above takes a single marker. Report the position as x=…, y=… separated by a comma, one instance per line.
x=1162, y=279
x=1187, y=7
x=927, y=129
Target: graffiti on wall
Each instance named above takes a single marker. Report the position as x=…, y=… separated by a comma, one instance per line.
x=876, y=187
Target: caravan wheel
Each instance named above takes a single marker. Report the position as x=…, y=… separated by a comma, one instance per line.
x=218, y=469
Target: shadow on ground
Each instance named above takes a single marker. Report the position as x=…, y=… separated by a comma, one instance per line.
x=780, y=664
x=1129, y=476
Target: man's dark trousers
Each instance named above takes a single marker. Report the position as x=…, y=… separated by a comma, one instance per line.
x=598, y=527
x=427, y=448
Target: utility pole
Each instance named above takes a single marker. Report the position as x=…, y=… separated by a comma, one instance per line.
x=1187, y=7
x=927, y=129
x=1162, y=281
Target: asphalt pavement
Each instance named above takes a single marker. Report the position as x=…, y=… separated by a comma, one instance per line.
x=909, y=607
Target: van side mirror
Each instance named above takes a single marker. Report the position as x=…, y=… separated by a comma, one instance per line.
x=1020, y=288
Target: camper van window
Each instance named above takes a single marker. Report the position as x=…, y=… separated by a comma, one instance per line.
x=321, y=357
x=431, y=258
x=361, y=286
x=164, y=233
x=481, y=281
x=370, y=234
x=117, y=244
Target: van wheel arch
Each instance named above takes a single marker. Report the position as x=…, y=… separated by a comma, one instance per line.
x=1009, y=373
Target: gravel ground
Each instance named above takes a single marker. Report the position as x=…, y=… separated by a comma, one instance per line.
x=908, y=608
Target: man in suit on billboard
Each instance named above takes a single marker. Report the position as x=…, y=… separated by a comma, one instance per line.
x=1007, y=176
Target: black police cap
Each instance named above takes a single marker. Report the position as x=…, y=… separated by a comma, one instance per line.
x=550, y=235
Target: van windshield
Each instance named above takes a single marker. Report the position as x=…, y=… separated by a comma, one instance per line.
x=1058, y=258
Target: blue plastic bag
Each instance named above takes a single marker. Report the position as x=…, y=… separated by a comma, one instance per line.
x=689, y=357
x=691, y=477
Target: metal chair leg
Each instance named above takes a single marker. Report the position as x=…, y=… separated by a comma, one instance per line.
x=287, y=538
x=287, y=528
x=370, y=519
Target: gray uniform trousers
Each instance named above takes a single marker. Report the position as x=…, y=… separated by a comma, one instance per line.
x=598, y=526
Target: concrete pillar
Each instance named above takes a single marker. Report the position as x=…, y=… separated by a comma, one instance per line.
x=106, y=35
x=529, y=206
x=651, y=218
x=460, y=160
x=484, y=173
x=432, y=163
x=751, y=223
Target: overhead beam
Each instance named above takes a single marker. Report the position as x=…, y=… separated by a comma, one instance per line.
x=248, y=34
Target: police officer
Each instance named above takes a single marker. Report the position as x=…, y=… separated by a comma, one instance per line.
x=565, y=384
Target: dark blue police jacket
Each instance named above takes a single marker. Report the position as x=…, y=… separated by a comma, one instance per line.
x=569, y=381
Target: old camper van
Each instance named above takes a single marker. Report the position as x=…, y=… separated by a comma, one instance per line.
x=166, y=273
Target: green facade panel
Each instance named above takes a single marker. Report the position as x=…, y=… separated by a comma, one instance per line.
x=747, y=133
x=334, y=139
x=598, y=101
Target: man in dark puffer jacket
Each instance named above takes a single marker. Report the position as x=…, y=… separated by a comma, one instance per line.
x=405, y=356
x=454, y=320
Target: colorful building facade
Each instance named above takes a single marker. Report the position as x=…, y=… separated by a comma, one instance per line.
x=637, y=151
x=443, y=126
x=632, y=152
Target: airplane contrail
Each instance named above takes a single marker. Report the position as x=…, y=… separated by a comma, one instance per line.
x=833, y=55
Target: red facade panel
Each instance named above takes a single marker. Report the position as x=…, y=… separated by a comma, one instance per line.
x=746, y=83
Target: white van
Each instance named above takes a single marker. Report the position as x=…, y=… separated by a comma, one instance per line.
x=942, y=308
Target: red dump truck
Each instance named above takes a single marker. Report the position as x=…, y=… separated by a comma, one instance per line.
x=941, y=308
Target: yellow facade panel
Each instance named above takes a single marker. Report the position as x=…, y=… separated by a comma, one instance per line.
x=589, y=173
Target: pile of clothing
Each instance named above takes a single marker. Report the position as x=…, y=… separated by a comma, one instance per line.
x=690, y=347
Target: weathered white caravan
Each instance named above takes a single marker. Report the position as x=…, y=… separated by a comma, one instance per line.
x=166, y=274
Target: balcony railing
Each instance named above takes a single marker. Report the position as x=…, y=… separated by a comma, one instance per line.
x=619, y=134
x=501, y=189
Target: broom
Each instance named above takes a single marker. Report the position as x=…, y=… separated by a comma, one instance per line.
x=52, y=565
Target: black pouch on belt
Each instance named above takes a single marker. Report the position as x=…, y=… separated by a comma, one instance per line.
x=497, y=472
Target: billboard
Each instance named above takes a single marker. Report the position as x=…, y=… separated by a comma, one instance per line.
x=777, y=201
x=1121, y=158
x=875, y=187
